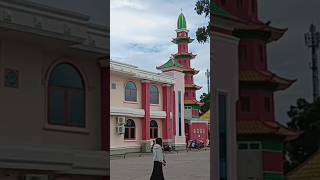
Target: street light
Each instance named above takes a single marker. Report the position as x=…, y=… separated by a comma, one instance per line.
x=207, y=73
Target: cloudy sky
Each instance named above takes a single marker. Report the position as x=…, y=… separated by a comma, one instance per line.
x=141, y=32
x=97, y=9
x=289, y=57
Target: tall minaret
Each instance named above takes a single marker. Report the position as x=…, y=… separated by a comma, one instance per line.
x=193, y=127
x=184, y=57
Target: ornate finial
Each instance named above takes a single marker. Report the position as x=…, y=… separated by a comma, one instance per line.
x=181, y=10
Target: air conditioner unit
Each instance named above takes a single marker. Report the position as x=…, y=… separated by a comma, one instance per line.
x=36, y=177
x=121, y=120
x=120, y=129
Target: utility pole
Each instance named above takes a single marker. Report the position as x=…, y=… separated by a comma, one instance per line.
x=312, y=39
x=207, y=73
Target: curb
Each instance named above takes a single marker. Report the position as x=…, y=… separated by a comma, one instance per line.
x=124, y=156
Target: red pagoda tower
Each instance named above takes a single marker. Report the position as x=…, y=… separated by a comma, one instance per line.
x=195, y=129
x=260, y=137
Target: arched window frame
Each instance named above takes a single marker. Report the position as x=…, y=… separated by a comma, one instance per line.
x=131, y=92
x=154, y=129
x=68, y=94
x=130, y=130
x=154, y=94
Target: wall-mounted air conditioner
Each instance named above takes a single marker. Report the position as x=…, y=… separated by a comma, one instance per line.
x=121, y=120
x=120, y=129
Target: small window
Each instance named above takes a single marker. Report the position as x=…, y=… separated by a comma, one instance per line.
x=261, y=53
x=114, y=86
x=243, y=146
x=245, y=104
x=153, y=129
x=254, y=146
x=130, y=130
x=66, y=97
x=267, y=104
x=154, y=95
x=11, y=78
x=131, y=92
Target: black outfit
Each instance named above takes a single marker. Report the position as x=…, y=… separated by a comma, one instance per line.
x=157, y=173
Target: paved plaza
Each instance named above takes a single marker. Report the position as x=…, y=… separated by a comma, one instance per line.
x=182, y=166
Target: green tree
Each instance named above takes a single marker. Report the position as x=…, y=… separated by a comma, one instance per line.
x=205, y=99
x=203, y=7
x=305, y=117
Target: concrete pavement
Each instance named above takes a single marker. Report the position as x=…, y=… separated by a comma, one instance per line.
x=192, y=165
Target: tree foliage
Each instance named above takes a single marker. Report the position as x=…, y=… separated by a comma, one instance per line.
x=305, y=117
x=203, y=7
x=205, y=98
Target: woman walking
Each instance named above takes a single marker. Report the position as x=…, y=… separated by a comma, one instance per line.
x=158, y=161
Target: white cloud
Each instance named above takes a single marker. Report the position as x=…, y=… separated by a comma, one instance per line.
x=136, y=4
x=142, y=30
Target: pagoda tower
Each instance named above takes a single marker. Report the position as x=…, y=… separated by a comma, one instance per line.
x=194, y=128
x=260, y=137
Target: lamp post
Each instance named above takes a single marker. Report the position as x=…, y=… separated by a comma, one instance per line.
x=207, y=73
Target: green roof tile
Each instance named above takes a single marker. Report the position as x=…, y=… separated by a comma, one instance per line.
x=170, y=64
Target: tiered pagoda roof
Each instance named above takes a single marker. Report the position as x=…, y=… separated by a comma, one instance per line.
x=192, y=86
x=191, y=71
x=265, y=128
x=182, y=40
x=192, y=102
x=206, y=116
x=263, y=30
x=171, y=64
x=309, y=170
x=245, y=27
x=184, y=55
x=265, y=77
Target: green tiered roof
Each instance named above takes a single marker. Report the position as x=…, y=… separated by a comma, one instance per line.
x=182, y=40
x=189, y=55
x=182, y=23
x=171, y=63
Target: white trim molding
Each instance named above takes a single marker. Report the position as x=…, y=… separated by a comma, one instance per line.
x=158, y=114
x=135, y=72
x=28, y=18
x=199, y=122
x=129, y=112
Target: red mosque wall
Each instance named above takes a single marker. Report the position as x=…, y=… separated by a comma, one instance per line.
x=257, y=106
